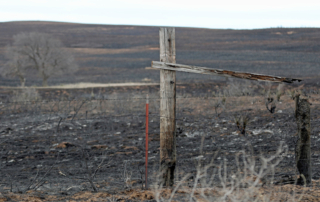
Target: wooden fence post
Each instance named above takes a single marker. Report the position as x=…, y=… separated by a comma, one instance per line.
x=167, y=107
x=303, y=147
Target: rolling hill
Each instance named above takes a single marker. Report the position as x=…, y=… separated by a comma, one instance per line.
x=111, y=53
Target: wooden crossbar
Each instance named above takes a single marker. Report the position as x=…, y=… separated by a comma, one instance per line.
x=220, y=72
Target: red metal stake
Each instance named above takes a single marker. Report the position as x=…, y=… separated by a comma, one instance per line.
x=147, y=131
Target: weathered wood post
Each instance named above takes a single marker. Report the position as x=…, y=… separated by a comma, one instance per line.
x=303, y=147
x=167, y=107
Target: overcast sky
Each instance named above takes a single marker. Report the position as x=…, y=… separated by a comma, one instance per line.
x=235, y=14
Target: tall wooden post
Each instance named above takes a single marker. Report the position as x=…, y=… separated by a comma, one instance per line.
x=303, y=147
x=167, y=107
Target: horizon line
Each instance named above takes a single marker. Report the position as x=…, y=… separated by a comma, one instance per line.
x=141, y=25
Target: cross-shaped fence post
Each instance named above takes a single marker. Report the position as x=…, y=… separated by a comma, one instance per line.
x=168, y=68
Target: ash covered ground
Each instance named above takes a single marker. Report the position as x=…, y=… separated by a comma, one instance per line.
x=56, y=144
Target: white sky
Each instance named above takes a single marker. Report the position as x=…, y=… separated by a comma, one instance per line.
x=236, y=14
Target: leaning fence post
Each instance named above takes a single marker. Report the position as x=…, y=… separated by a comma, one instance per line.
x=303, y=146
x=167, y=107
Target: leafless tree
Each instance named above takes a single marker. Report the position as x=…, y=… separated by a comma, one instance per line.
x=41, y=52
x=15, y=67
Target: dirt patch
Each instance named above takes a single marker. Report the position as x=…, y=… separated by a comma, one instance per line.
x=86, y=85
x=95, y=51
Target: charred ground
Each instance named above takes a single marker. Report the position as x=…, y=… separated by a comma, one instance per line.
x=46, y=144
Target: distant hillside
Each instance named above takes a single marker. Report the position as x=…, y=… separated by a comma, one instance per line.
x=109, y=53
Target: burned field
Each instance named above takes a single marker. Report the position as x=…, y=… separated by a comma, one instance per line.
x=88, y=140
x=112, y=54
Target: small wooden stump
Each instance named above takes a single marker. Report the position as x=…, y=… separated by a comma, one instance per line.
x=303, y=146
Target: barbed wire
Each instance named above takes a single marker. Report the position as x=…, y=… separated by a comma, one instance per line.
x=127, y=99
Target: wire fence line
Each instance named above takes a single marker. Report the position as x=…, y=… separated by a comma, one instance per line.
x=64, y=136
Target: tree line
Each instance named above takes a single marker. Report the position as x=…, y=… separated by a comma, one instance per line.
x=38, y=51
